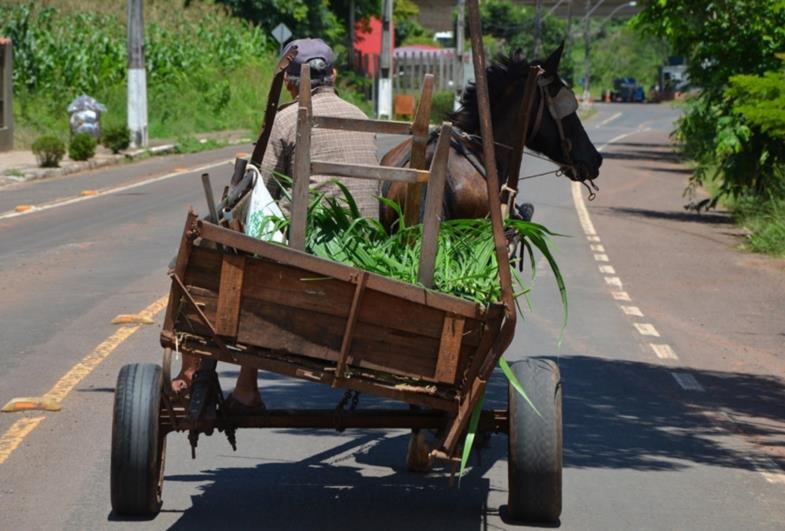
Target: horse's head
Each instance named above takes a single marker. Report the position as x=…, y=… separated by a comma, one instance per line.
x=557, y=131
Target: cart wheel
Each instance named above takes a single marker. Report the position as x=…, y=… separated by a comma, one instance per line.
x=535, y=443
x=138, y=445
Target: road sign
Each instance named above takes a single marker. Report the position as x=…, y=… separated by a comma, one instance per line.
x=282, y=33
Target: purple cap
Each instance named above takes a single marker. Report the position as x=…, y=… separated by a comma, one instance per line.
x=307, y=50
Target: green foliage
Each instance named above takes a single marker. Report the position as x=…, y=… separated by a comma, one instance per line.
x=116, y=138
x=760, y=101
x=735, y=128
x=82, y=147
x=513, y=24
x=719, y=39
x=407, y=28
x=465, y=262
x=442, y=104
x=619, y=50
x=765, y=223
x=205, y=70
x=49, y=151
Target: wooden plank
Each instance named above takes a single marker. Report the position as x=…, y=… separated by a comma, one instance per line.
x=230, y=295
x=411, y=205
x=264, y=360
x=292, y=288
x=302, y=163
x=181, y=264
x=351, y=322
x=434, y=207
x=320, y=336
x=450, y=349
x=362, y=125
x=321, y=267
x=369, y=171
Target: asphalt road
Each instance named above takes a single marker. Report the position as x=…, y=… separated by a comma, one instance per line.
x=645, y=448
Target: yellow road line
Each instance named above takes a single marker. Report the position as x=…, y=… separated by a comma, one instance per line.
x=20, y=429
x=79, y=371
x=16, y=434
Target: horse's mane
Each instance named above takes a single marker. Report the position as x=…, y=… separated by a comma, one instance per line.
x=504, y=69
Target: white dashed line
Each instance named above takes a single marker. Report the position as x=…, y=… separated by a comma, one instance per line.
x=620, y=295
x=664, y=352
x=608, y=120
x=593, y=238
x=632, y=310
x=646, y=329
x=601, y=257
x=597, y=248
x=687, y=381
x=607, y=269
x=613, y=281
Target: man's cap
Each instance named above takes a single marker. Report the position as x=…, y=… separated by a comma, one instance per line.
x=307, y=50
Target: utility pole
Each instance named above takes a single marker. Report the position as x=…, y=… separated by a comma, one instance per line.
x=460, y=29
x=385, y=62
x=137, y=79
x=586, y=57
x=537, y=28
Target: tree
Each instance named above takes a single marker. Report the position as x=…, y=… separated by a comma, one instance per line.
x=719, y=38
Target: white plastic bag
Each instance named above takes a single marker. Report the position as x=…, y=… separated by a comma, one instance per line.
x=262, y=205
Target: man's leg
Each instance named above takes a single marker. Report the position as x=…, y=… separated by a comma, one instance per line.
x=246, y=390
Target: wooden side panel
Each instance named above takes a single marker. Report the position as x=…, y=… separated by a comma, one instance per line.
x=450, y=349
x=320, y=336
x=230, y=295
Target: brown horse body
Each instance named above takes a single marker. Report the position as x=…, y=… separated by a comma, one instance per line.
x=466, y=193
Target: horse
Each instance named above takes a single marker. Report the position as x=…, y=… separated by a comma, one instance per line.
x=558, y=134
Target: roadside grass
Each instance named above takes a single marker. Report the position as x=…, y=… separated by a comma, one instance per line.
x=765, y=223
x=762, y=220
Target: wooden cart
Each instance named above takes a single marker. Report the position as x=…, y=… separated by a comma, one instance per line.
x=240, y=300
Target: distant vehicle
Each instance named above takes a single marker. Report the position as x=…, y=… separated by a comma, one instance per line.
x=626, y=89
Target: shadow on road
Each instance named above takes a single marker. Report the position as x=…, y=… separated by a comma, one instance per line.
x=618, y=414
x=713, y=218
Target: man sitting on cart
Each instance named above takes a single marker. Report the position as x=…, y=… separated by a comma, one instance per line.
x=326, y=145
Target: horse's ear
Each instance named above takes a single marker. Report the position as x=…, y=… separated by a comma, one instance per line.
x=551, y=64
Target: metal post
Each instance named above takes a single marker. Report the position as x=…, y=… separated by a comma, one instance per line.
x=385, y=80
x=586, y=57
x=537, y=28
x=460, y=29
x=137, y=79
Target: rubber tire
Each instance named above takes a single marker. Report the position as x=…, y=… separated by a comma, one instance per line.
x=534, y=463
x=138, y=447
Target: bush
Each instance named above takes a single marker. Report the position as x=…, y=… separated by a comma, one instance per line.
x=82, y=147
x=442, y=105
x=116, y=138
x=49, y=151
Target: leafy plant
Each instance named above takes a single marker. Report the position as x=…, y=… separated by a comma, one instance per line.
x=466, y=264
x=116, y=138
x=82, y=147
x=48, y=151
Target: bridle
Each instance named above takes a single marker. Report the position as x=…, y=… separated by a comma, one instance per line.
x=560, y=106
